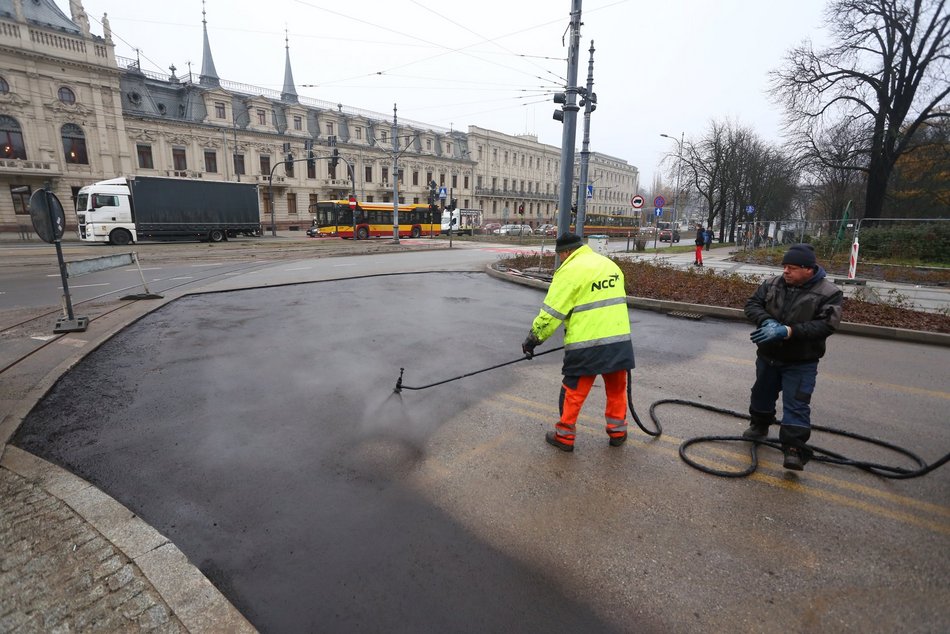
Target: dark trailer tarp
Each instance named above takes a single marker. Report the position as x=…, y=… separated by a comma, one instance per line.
x=176, y=207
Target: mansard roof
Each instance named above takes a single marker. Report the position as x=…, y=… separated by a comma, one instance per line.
x=45, y=13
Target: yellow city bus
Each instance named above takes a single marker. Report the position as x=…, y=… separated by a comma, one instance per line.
x=609, y=225
x=346, y=219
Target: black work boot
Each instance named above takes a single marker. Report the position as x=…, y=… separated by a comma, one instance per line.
x=796, y=452
x=616, y=441
x=759, y=426
x=794, y=460
x=552, y=439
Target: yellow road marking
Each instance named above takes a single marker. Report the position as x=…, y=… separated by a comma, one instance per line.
x=590, y=425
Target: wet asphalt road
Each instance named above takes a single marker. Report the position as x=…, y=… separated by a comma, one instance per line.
x=258, y=430
x=283, y=479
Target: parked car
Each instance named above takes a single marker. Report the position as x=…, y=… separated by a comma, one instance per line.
x=665, y=235
x=514, y=230
x=489, y=227
x=546, y=230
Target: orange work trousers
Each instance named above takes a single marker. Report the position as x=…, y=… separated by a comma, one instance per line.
x=574, y=391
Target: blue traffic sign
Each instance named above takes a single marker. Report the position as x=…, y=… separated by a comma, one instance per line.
x=658, y=211
x=659, y=201
x=442, y=193
x=750, y=210
x=590, y=192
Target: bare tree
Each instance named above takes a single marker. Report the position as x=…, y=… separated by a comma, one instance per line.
x=834, y=171
x=886, y=76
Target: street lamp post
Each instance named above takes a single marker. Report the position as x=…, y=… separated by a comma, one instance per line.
x=679, y=169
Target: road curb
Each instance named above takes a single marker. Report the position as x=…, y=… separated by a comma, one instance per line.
x=664, y=306
x=190, y=596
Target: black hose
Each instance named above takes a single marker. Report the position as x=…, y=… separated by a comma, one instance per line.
x=820, y=454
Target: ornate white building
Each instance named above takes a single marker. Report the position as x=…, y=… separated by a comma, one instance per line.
x=72, y=113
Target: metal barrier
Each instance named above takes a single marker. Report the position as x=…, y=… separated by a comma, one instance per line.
x=93, y=265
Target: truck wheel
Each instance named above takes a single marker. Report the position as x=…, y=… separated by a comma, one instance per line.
x=120, y=237
x=216, y=235
x=362, y=233
x=416, y=232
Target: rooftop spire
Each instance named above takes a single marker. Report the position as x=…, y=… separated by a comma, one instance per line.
x=209, y=76
x=289, y=93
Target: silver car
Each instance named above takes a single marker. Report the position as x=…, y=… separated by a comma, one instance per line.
x=514, y=230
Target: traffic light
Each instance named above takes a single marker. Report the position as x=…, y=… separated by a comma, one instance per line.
x=452, y=204
x=592, y=100
x=434, y=213
x=311, y=161
x=561, y=98
x=288, y=157
x=335, y=159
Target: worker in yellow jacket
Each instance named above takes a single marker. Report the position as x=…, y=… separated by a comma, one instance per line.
x=587, y=294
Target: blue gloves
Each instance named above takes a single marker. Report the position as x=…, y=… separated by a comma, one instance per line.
x=769, y=331
x=529, y=345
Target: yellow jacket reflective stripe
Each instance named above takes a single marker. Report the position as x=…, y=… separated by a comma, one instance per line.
x=587, y=294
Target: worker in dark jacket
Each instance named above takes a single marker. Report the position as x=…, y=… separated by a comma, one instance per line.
x=795, y=312
x=700, y=242
x=586, y=294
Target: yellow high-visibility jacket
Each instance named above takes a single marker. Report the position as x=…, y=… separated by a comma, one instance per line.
x=587, y=294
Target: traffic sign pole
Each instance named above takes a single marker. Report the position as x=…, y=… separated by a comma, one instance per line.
x=49, y=221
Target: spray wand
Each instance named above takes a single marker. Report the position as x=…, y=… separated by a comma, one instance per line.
x=400, y=387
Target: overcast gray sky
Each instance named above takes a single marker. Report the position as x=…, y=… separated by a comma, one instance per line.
x=659, y=67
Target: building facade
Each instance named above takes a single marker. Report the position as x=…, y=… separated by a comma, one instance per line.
x=73, y=113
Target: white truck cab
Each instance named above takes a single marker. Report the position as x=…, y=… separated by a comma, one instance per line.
x=104, y=211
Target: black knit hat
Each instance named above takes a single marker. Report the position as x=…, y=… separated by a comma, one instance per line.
x=802, y=255
x=568, y=242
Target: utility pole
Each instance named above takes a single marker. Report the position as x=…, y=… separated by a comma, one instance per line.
x=590, y=104
x=568, y=116
x=395, y=177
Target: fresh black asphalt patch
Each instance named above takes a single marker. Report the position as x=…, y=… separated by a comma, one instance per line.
x=258, y=430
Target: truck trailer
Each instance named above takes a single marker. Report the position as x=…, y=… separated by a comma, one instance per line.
x=125, y=210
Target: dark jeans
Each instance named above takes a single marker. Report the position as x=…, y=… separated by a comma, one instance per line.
x=796, y=382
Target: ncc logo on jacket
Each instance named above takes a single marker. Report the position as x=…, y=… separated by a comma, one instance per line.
x=610, y=282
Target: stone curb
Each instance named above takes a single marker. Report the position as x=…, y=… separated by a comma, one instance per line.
x=663, y=306
x=190, y=596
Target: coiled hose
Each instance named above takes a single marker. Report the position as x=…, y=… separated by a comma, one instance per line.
x=820, y=454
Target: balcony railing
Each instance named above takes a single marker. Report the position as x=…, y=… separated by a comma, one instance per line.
x=513, y=193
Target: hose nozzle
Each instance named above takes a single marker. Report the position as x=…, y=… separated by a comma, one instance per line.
x=399, y=381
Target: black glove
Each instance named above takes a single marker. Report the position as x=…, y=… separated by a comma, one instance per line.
x=529, y=345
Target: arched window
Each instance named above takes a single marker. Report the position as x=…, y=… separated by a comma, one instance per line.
x=74, y=144
x=4, y=86
x=67, y=96
x=11, y=139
